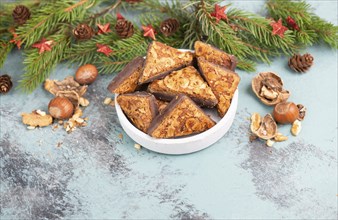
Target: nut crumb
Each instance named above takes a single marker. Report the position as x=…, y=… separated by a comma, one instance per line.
x=59, y=144
x=107, y=101
x=83, y=102
x=138, y=146
x=60, y=122
x=42, y=113
x=269, y=143
x=56, y=126
x=121, y=136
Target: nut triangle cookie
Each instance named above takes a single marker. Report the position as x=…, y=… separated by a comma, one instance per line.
x=180, y=118
x=187, y=81
x=139, y=107
x=161, y=60
x=127, y=80
x=215, y=55
x=222, y=81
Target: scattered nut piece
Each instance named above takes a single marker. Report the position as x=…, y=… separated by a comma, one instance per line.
x=296, y=127
x=269, y=143
x=77, y=113
x=59, y=144
x=302, y=112
x=83, y=102
x=34, y=119
x=121, y=136
x=60, y=122
x=137, y=146
x=107, y=101
x=280, y=137
x=75, y=121
x=31, y=127
x=255, y=122
x=42, y=113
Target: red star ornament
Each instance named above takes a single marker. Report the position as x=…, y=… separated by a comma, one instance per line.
x=103, y=28
x=219, y=13
x=119, y=16
x=149, y=31
x=104, y=49
x=16, y=40
x=278, y=28
x=292, y=23
x=44, y=45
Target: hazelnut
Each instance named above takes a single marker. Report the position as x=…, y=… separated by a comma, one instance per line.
x=285, y=112
x=60, y=108
x=86, y=74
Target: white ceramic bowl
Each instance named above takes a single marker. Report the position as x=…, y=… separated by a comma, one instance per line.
x=183, y=145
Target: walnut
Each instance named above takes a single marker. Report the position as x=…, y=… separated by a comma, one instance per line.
x=36, y=118
x=268, y=87
x=68, y=88
x=267, y=128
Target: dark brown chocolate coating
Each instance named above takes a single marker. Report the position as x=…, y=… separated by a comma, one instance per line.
x=126, y=72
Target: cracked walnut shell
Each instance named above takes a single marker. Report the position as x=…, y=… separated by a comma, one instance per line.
x=267, y=127
x=268, y=87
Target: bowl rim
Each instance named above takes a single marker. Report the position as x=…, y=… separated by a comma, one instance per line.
x=169, y=141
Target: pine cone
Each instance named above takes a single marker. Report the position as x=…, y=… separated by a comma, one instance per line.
x=124, y=28
x=301, y=63
x=169, y=26
x=83, y=32
x=21, y=14
x=5, y=83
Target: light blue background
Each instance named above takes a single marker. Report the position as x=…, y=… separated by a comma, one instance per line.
x=95, y=174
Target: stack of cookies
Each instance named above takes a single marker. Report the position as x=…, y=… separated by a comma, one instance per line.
x=163, y=95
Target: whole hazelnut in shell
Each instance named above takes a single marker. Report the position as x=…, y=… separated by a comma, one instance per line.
x=86, y=74
x=60, y=108
x=285, y=112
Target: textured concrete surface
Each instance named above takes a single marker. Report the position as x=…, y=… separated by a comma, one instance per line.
x=92, y=173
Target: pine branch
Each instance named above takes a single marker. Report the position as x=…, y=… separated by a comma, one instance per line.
x=39, y=66
x=5, y=49
x=258, y=30
x=47, y=19
x=313, y=29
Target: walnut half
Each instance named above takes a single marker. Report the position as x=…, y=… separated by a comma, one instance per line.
x=268, y=87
